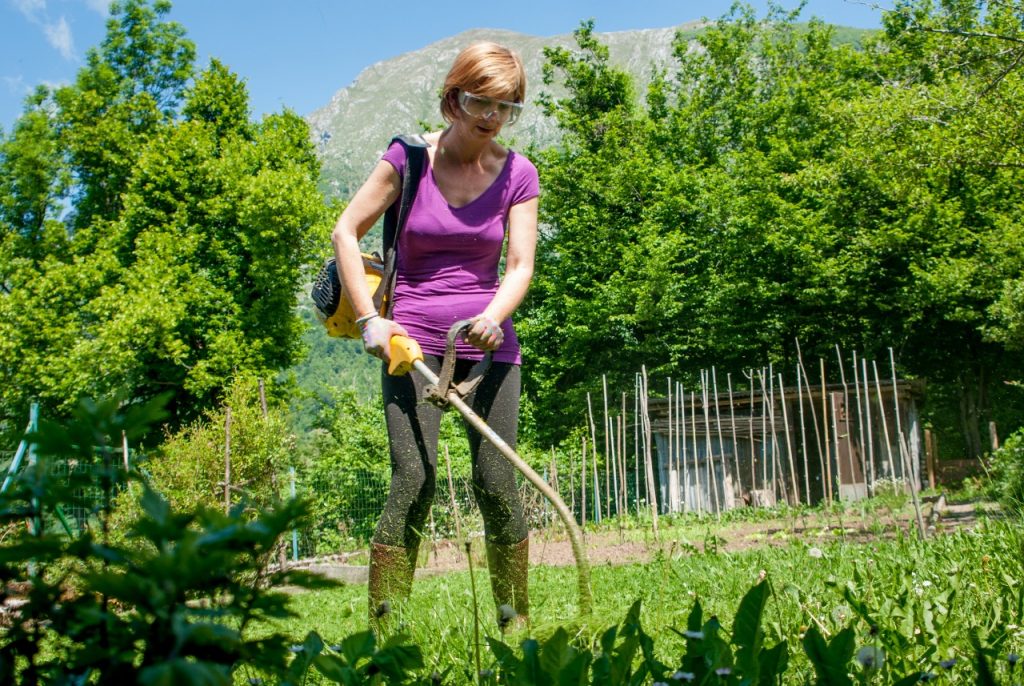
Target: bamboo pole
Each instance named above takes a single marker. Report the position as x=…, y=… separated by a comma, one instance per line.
x=693, y=440
x=867, y=411
x=681, y=454
x=712, y=478
x=764, y=432
x=451, y=493
x=885, y=422
x=583, y=484
x=789, y=445
x=824, y=423
x=227, y=460
x=777, y=477
x=718, y=424
x=846, y=407
x=826, y=492
x=636, y=440
x=803, y=437
x=681, y=465
x=860, y=426
x=735, y=446
x=622, y=453
x=593, y=460
x=896, y=412
x=648, y=459
x=670, y=496
x=750, y=421
x=572, y=483
x=607, y=446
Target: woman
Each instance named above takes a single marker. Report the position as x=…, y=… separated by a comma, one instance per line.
x=474, y=196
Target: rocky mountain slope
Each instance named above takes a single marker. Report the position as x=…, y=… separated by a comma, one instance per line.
x=400, y=95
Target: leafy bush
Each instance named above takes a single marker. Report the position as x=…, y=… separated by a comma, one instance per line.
x=1008, y=473
x=189, y=469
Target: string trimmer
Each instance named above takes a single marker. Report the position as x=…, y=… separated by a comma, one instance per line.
x=406, y=355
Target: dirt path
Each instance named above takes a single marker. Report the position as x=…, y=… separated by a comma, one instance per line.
x=552, y=547
x=613, y=547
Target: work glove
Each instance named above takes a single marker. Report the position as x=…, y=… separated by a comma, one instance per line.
x=485, y=333
x=377, y=332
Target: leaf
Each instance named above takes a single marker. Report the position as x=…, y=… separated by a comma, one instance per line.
x=747, y=634
x=829, y=666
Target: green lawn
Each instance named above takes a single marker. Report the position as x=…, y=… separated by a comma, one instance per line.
x=924, y=599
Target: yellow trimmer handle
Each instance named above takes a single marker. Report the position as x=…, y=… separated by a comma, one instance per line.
x=404, y=352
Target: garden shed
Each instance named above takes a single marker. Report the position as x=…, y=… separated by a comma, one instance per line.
x=784, y=444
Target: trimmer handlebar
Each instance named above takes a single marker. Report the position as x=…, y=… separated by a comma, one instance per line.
x=405, y=352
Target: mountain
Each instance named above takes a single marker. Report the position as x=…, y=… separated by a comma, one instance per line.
x=400, y=95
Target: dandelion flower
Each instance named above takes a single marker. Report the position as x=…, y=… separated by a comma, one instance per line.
x=870, y=658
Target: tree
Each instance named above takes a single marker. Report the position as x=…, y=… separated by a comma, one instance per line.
x=154, y=235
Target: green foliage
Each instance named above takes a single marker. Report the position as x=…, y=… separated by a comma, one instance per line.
x=1007, y=473
x=153, y=237
x=189, y=467
x=172, y=605
x=775, y=185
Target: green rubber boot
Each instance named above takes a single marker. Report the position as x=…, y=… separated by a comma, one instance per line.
x=390, y=581
x=509, y=567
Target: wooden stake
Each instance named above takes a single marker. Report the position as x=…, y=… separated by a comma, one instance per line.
x=911, y=478
x=648, y=459
x=803, y=437
x=227, y=460
x=846, y=407
x=583, y=483
x=860, y=426
x=681, y=467
x=753, y=468
x=593, y=460
x=451, y=494
x=607, y=447
x=735, y=445
x=885, y=423
x=789, y=445
x=670, y=495
x=871, y=434
x=824, y=422
x=718, y=425
x=825, y=491
x=636, y=440
x=710, y=461
x=696, y=467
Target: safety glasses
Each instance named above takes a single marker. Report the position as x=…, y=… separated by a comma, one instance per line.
x=478, y=106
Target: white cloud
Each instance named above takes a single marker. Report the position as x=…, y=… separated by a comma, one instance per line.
x=30, y=8
x=15, y=84
x=58, y=34
x=101, y=7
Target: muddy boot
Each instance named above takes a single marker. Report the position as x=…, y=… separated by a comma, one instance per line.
x=509, y=565
x=390, y=581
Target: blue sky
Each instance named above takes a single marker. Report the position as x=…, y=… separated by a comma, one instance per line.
x=298, y=53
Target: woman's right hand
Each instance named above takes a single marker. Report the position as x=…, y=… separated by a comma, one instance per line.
x=377, y=332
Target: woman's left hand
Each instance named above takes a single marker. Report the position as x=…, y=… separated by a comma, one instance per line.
x=485, y=333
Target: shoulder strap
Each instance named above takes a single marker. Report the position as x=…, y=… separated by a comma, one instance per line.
x=396, y=216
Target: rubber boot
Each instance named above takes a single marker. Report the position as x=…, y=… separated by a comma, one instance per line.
x=509, y=565
x=390, y=581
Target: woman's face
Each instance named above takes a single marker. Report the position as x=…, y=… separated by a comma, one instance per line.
x=484, y=114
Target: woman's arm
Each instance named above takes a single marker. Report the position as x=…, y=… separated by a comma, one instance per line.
x=369, y=203
x=519, y=257
x=365, y=208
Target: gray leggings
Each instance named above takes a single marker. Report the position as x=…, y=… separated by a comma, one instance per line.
x=413, y=428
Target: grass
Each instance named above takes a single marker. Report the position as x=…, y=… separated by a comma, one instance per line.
x=923, y=598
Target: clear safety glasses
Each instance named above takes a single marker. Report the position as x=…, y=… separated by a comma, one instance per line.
x=478, y=106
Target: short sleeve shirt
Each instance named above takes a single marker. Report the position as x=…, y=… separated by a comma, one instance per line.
x=448, y=256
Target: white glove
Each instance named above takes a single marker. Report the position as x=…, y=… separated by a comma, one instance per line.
x=485, y=333
x=377, y=333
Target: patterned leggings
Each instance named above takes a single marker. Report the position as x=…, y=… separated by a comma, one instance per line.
x=413, y=428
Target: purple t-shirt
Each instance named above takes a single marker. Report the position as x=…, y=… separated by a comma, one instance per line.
x=448, y=256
